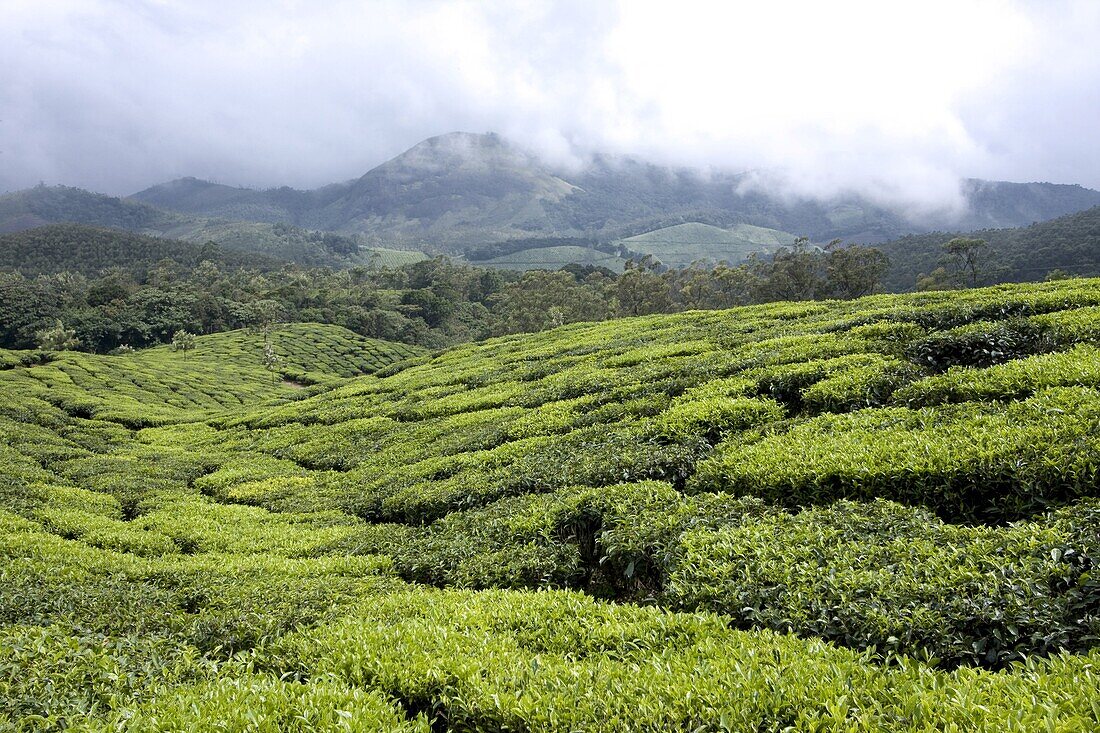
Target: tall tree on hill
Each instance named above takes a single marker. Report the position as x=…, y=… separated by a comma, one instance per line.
x=701, y=288
x=793, y=273
x=641, y=290
x=543, y=299
x=57, y=338
x=183, y=341
x=855, y=271
x=969, y=258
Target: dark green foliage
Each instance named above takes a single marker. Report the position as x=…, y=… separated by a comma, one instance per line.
x=981, y=344
x=968, y=462
x=88, y=251
x=1070, y=243
x=897, y=579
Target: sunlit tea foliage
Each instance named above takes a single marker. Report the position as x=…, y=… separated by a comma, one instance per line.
x=878, y=514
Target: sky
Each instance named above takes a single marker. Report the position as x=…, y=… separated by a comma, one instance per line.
x=896, y=100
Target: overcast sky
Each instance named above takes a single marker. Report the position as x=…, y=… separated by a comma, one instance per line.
x=895, y=99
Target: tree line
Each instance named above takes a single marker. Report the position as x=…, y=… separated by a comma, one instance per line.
x=434, y=303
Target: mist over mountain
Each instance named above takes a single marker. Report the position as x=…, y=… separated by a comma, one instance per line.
x=458, y=190
x=464, y=193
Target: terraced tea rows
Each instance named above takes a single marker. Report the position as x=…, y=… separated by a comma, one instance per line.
x=222, y=372
x=876, y=514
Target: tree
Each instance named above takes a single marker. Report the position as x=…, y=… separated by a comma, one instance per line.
x=641, y=290
x=115, y=286
x=938, y=279
x=969, y=259
x=259, y=315
x=852, y=272
x=542, y=299
x=183, y=341
x=722, y=286
x=270, y=358
x=57, y=338
x=794, y=273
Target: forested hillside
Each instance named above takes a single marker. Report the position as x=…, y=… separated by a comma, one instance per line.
x=109, y=301
x=86, y=250
x=1070, y=244
x=878, y=514
x=483, y=198
x=45, y=205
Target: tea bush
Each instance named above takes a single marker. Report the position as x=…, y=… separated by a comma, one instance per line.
x=877, y=514
x=968, y=462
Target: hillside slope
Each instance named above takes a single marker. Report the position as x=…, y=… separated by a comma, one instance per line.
x=89, y=250
x=159, y=386
x=648, y=524
x=1070, y=243
x=683, y=244
x=554, y=258
x=42, y=206
x=455, y=189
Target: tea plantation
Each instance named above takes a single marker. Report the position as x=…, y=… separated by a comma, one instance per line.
x=881, y=514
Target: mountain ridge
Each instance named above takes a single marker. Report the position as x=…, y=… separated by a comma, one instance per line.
x=460, y=192
x=460, y=189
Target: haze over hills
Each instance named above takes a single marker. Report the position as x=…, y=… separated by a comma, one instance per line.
x=47, y=205
x=463, y=193
x=461, y=189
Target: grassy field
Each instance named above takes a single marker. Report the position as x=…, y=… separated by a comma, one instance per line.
x=381, y=257
x=880, y=514
x=682, y=244
x=554, y=258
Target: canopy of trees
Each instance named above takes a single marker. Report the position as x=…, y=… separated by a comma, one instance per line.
x=433, y=303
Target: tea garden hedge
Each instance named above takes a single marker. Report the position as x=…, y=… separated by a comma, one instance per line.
x=880, y=514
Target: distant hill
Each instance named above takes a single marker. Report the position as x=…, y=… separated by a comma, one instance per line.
x=1000, y=204
x=682, y=244
x=450, y=190
x=1070, y=243
x=458, y=189
x=89, y=250
x=461, y=191
x=45, y=205
x=194, y=196
x=554, y=258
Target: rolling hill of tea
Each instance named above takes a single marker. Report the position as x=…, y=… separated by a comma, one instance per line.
x=878, y=514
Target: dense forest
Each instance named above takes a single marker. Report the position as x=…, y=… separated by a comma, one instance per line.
x=1069, y=243
x=116, y=289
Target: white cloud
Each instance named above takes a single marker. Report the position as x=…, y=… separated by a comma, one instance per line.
x=894, y=100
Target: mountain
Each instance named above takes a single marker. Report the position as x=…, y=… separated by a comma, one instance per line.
x=1000, y=204
x=194, y=196
x=41, y=205
x=89, y=250
x=465, y=193
x=461, y=191
x=1070, y=243
x=45, y=205
x=452, y=190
